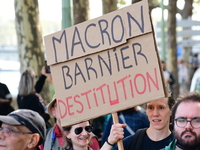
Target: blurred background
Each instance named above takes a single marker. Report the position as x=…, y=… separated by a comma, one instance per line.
x=176, y=24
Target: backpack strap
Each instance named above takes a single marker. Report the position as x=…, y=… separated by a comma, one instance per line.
x=137, y=139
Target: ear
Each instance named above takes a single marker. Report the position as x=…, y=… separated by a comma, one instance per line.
x=67, y=134
x=53, y=111
x=34, y=140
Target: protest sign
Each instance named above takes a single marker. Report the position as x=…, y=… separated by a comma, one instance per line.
x=105, y=65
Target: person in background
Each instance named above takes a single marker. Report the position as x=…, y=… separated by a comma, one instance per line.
x=183, y=76
x=195, y=63
x=27, y=97
x=5, y=100
x=169, y=78
x=22, y=129
x=132, y=117
x=55, y=138
x=45, y=75
x=79, y=136
x=186, y=123
x=158, y=135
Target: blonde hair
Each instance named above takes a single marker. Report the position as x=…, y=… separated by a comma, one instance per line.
x=27, y=83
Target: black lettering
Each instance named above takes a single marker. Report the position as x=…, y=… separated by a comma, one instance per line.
x=59, y=40
x=109, y=67
x=138, y=53
x=104, y=30
x=65, y=75
x=124, y=58
x=88, y=64
x=112, y=29
x=76, y=43
x=117, y=60
x=140, y=26
x=86, y=40
x=78, y=72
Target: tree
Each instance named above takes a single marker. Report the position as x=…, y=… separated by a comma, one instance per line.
x=29, y=37
x=152, y=4
x=185, y=13
x=172, y=52
x=80, y=11
x=109, y=6
x=171, y=29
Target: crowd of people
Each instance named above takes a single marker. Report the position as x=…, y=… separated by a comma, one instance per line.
x=163, y=124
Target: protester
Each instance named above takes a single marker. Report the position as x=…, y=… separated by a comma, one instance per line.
x=186, y=123
x=195, y=63
x=5, y=100
x=22, y=129
x=132, y=117
x=79, y=135
x=183, y=77
x=55, y=138
x=169, y=78
x=27, y=98
x=158, y=135
x=98, y=125
x=45, y=75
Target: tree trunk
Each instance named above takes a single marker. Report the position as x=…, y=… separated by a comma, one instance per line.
x=29, y=36
x=80, y=11
x=152, y=4
x=109, y=6
x=172, y=52
x=187, y=54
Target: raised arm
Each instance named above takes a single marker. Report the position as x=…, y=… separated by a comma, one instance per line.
x=116, y=134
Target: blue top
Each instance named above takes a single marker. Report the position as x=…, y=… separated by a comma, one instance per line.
x=135, y=121
x=74, y=149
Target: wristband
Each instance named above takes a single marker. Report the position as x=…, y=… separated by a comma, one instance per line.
x=109, y=143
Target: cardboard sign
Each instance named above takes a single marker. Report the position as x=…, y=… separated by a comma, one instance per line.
x=105, y=65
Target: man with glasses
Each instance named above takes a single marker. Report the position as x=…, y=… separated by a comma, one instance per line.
x=22, y=129
x=186, y=123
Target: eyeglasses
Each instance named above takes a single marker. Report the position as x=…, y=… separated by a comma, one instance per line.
x=182, y=122
x=7, y=131
x=79, y=130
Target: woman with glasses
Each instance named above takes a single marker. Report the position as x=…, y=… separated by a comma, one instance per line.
x=79, y=135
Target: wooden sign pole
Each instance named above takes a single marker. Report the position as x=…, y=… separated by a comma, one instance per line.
x=116, y=120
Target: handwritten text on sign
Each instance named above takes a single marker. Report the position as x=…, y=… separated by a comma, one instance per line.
x=99, y=34
x=120, y=71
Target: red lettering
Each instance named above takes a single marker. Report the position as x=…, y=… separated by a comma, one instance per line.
x=101, y=90
x=116, y=101
x=65, y=110
x=155, y=83
x=141, y=85
x=87, y=99
x=95, y=98
x=123, y=86
x=69, y=106
x=76, y=101
x=131, y=87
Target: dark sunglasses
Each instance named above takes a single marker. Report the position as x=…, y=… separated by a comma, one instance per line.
x=79, y=130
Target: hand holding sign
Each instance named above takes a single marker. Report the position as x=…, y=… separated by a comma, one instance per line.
x=105, y=65
x=116, y=135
